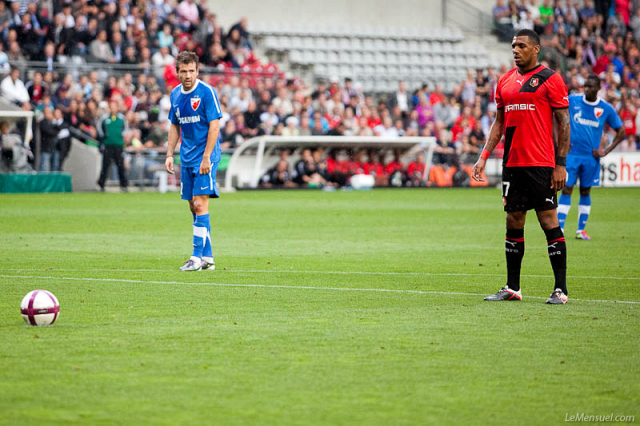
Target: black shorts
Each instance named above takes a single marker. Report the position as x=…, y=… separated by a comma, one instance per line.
x=527, y=188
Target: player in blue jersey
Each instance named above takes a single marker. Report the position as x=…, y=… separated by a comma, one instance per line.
x=196, y=112
x=589, y=114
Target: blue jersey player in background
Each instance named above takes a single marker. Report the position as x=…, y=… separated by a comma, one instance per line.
x=589, y=114
x=196, y=112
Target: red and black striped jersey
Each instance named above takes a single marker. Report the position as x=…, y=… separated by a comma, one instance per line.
x=528, y=101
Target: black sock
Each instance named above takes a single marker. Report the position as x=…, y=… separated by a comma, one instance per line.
x=557, y=248
x=514, y=249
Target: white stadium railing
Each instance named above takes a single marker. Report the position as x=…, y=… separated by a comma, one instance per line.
x=254, y=157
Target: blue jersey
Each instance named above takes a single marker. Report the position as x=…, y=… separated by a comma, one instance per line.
x=193, y=111
x=587, y=123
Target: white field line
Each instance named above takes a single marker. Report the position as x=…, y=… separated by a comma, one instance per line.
x=292, y=287
x=291, y=271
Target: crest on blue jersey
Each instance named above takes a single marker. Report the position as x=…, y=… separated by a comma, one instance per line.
x=598, y=112
x=195, y=103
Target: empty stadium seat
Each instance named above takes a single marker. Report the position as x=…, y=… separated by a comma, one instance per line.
x=356, y=43
x=344, y=43
x=377, y=55
x=321, y=57
x=331, y=43
x=295, y=56
x=425, y=46
x=344, y=56
x=367, y=44
x=320, y=69
x=368, y=58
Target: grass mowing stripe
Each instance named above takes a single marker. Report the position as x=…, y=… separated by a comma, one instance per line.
x=289, y=271
x=189, y=353
x=294, y=287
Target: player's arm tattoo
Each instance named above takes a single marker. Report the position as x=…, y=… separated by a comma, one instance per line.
x=616, y=140
x=495, y=134
x=564, y=131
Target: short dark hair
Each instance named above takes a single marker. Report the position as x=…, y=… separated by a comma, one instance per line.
x=533, y=36
x=186, y=57
x=593, y=78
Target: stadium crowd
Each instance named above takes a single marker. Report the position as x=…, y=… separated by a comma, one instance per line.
x=257, y=99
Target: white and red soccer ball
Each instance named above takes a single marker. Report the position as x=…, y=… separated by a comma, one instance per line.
x=40, y=307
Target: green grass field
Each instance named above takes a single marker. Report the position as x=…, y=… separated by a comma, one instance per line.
x=326, y=308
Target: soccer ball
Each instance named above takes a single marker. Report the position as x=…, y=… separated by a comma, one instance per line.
x=39, y=307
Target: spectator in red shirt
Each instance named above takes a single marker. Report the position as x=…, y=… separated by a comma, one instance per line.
x=437, y=95
x=36, y=88
x=171, y=76
x=415, y=171
x=463, y=124
x=604, y=59
x=335, y=118
x=336, y=170
x=344, y=166
x=373, y=118
x=332, y=162
x=357, y=165
x=394, y=165
x=363, y=128
x=374, y=167
x=334, y=86
x=628, y=115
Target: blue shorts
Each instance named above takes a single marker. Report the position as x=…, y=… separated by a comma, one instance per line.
x=193, y=183
x=585, y=167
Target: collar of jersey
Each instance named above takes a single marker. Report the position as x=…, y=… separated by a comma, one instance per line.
x=531, y=70
x=192, y=89
x=584, y=99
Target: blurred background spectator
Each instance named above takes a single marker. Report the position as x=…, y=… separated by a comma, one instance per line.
x=138, y=41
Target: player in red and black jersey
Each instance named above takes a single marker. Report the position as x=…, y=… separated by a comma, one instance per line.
x=529, y=97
